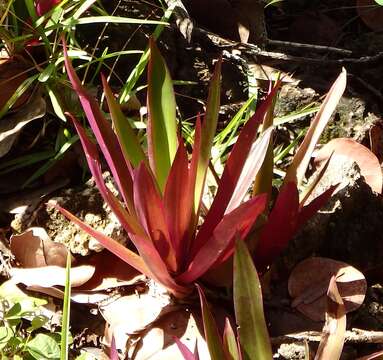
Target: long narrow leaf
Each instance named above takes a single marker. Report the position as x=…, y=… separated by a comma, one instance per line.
x=212, y=336
x=248, y=305
x=253, y=163
x=150, y=209
x=230, y=346
x=306, y=212
x=208, y=130
x=221, y=245
x=280, y=227
x=128, y=221
x=66, y=312
x=186, y=353
x=232, y=172
x=178, y=202
x=112, y=245
x=162, y=125
x=104, y=135
x=334, y=330
x=301, y=159
x=129, y=143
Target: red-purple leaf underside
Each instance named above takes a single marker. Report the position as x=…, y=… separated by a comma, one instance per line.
x=128, y=221
x=105, y=136
x=232, y=171
x=221, y=245
x=280, y=227
x=186, y=353
x=178, y=202
x=112, y=245
x=253, y=164
x=150, y=210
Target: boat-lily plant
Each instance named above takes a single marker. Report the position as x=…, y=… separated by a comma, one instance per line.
x=161, y=186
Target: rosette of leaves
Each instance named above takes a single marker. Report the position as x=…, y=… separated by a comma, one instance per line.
x=161, y=189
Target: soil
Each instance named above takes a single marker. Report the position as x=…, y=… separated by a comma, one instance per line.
x=348, y=229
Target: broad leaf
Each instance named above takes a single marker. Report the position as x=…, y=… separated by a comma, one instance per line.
x=162, y=125
x=248, y=305
x=212, y=336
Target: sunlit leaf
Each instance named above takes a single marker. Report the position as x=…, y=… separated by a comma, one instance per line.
x=248, y=305
x=334, y=330
x=212, y=336
x=162, y=125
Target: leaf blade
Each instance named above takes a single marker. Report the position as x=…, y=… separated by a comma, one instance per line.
x=248, y=305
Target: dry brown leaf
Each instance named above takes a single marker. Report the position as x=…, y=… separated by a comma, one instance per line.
x=12, y=74
x=117, y=273
x=309, y=280
x=33, y=248
x=334, y=330
x=343, y=149
x=49, y=276
x=11, y=124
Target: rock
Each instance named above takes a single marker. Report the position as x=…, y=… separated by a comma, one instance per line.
x=85, y=203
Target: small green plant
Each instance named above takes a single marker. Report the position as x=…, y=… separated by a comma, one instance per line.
x=18, y=341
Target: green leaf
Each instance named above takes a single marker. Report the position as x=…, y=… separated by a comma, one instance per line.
x=141, y=65
x=66, y=312
x=37, y=322
x=6, y=334
x=129, y=143
x=162, y=125
x=209, y=127
x=248, y=305
x=230, y=342
x=379, y=2
x=212, y=337
x=43, y=346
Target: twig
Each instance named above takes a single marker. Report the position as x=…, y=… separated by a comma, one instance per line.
x=354, y=336
x=317, y=48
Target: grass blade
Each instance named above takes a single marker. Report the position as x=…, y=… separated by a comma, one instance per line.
x=248, y=305
x=66, y=312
